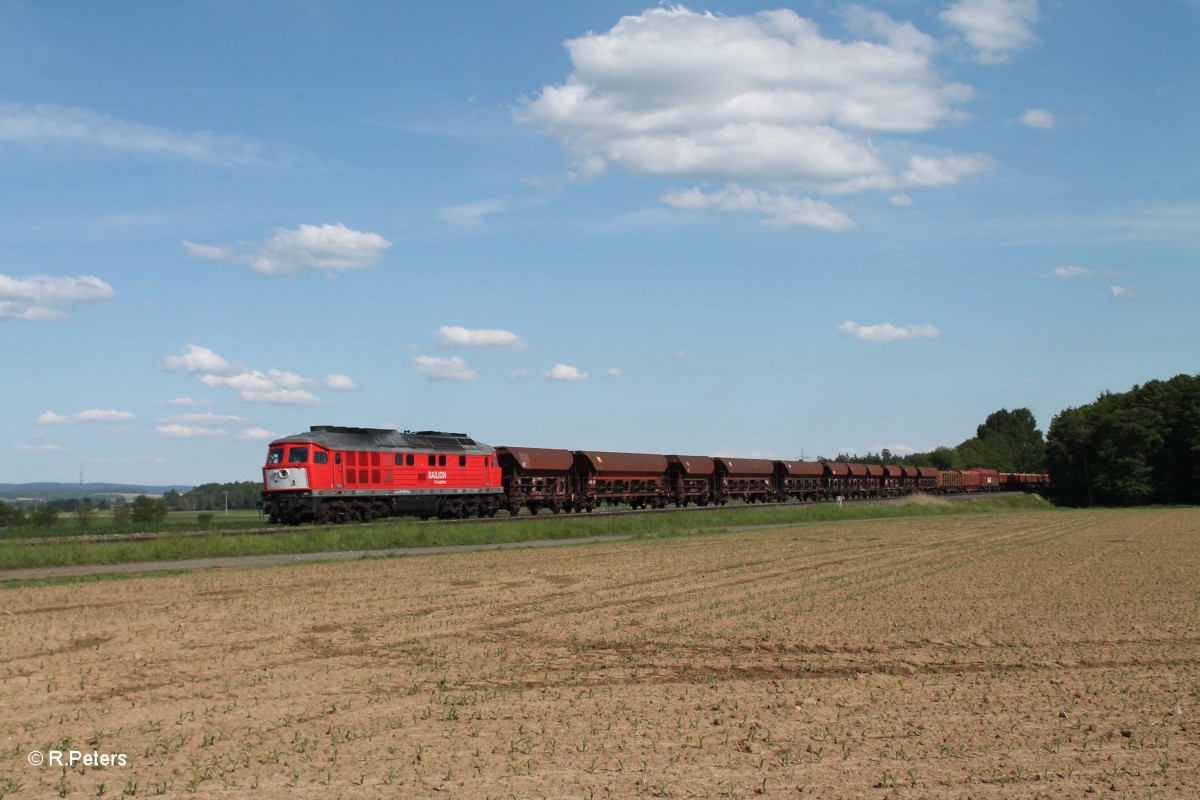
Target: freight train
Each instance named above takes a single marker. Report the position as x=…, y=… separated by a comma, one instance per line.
x=339, y=474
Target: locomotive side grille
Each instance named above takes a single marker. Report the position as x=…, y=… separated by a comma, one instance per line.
x=350, y=476
x=374, y=476
x=362, y=476
x=375, y=459
x=350, y=458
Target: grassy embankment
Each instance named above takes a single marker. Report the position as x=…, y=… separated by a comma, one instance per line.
x=405, y=533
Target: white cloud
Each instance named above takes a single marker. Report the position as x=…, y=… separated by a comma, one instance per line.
x=39, y=448
x=280, y=397
x=202, y=417
x=900, y=200
x=90, y=415
x=274, y=386
x=1122, y=292
x=930, y=172
x=886, y=332
x=340, y=383
x=565, y=372
x=328, y=248
x=41, y=298
x=189, y=431
x=1073, y=272
x=185, y=402
x=1039, y=118
x=763, y=98
x=256, y=435
x=894, y=448
x=613, y=373
x=519, y=374
x=778, y=210
x=444, y=369
x=994, y=28
x=452, y=336
x=198, y=360
x=59, y=129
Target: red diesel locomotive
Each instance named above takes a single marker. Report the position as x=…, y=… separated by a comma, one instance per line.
x=336, y=474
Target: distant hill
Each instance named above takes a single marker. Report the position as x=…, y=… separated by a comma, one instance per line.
x=58, y=491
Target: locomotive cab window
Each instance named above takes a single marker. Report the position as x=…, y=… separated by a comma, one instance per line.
x=433, y=461
x=320, y=457
x=462, y=461
x=275, y=456
x=298, y=455
x=441, y=461
x=409, y=459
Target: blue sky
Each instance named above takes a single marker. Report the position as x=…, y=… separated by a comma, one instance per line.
x=735, y=228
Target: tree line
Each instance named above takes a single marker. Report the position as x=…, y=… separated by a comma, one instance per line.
x=1133, y=448
x=143, y=510
x=1007, y=441
x=246, y=495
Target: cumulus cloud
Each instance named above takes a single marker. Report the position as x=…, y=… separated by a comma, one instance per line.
x=777, y=209
x=613, y=373
x=886, y=332
x=42, y=298
x=894, y=448
x=452, y=336
x=90, y=415
x=208, y=417
x=745, y=99
x=519, y=374
x=327, y=248
x=340, y=383
x=184, y=402
x=444, y=369
x=1122, y=292
x=198, y=360
x=256, y=435
x=74, y=130
x=189, y=431
x=1039, y=118
x=565, y=372
x=929, y=172
x=993, y=28
x=275, y=387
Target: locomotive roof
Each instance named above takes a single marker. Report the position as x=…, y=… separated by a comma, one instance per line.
x=336, y=437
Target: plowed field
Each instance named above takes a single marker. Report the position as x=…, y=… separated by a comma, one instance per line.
x=1020, y=655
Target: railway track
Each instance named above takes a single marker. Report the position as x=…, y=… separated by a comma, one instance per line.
x=116, y=538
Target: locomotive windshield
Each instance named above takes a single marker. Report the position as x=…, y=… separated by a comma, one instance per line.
x=275, y=456
x=298, y=455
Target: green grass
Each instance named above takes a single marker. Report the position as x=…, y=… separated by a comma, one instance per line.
x=405, y=533
x=102, y=525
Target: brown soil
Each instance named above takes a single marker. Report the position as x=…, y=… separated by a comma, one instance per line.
x=1032, y=655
